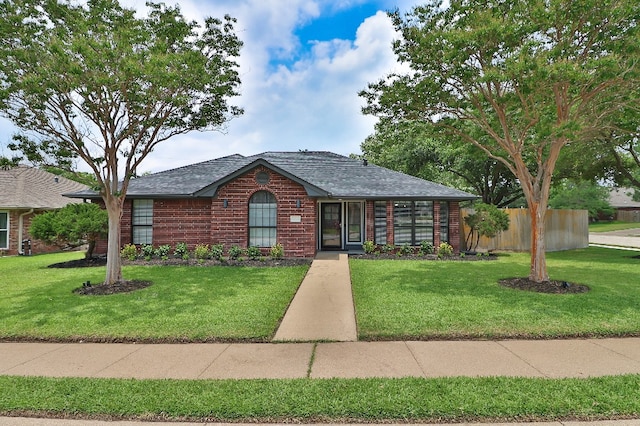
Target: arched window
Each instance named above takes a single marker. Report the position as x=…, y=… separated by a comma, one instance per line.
x=262, y=219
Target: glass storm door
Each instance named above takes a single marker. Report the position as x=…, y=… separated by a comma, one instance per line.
x=331, y=226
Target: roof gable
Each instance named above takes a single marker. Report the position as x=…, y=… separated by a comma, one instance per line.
x=25, y=187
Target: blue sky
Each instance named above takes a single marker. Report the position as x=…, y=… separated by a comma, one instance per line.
x=302, y=66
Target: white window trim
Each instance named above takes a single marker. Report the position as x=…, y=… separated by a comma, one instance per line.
x=8, y=228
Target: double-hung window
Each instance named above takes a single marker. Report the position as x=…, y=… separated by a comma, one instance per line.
x=4, y=230
x=142, y=221
x=444, y=222
x=412, y=222
x=262, y=219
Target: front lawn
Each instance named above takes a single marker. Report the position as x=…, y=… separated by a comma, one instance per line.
x=184, y=303
x=407, y=299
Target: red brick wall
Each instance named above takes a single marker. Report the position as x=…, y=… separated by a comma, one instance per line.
x=230, y=225
x=207, y=221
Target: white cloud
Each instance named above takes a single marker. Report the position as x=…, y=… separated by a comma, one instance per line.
x=312, y=103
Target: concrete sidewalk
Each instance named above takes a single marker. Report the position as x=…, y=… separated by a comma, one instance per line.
x=542, y=358
x=322, y=309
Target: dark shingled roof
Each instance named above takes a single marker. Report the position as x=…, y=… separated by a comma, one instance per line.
x=323, y=174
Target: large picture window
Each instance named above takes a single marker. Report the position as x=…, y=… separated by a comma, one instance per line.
x=4, y=230
x=412, y=222
x=262, y=219
x=142, y=221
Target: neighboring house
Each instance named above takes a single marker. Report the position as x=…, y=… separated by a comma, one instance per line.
x=306, y=201
x=26, y=192
x=627, y=209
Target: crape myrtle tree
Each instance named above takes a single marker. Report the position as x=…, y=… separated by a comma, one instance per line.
x=520, y=80
x=98, y=84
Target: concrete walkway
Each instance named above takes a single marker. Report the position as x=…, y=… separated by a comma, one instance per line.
x=322, y=309
x=521, y=358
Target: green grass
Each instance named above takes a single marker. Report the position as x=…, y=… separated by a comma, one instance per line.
x=612, y=226
x=424, y=299
x=190, y=303
x=408, y=399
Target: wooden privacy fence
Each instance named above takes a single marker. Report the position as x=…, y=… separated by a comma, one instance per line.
x=564, y=230
x=628, y=215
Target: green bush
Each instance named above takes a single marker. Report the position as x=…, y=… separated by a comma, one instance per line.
x=129, y=252
x=181, y=251
x=405, y=250
x=445, y=249
x=425, y=248
x=388, y=248
x=162, y=252
x=277, y=251
x=235, y=252
x=202, y=251
x=254, y=252
x=217, y=251
x=369, y=247
x=147, y=251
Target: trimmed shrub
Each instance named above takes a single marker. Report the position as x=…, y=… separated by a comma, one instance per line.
x=277, y=251
x=129, y=252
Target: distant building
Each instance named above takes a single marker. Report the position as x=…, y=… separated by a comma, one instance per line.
x=627, y=210
x=24, y=193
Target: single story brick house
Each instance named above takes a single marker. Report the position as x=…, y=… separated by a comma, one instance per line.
x=308, y=201
x=26, y=192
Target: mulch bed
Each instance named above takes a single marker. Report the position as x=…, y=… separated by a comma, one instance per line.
x=553, y=286
x=118, y=287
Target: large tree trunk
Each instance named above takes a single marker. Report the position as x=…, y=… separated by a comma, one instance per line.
x=114, y=265
x=538, y=271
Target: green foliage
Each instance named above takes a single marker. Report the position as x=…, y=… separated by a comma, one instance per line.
x=202, y=251
x=387, y=248
x=181, y=251
x=425, y=248
x=405, y=250
x=421, y=149
x=582, y=196
x=486, y=221
x=162, y=252
x=445, y=250
x=129, y=252
x=139, y=81
x=235, y=252
x=369, y=246
x=71, y=226
x=254, y=253
x=217, y=251
x=518, y=80
x=276, y=251
x=147, y=251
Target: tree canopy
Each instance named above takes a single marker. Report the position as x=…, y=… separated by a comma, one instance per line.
x=71, y=226
x=94, y=83
x=420, y=149
x=519, y=80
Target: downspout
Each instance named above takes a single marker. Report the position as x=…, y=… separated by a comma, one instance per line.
x=20, y=233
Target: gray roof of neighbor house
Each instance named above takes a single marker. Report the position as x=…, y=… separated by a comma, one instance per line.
x=623, y=198
x=25, y=187
x=323, y=174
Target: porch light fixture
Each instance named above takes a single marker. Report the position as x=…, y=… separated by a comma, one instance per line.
x=225, y=203
x=298, y=203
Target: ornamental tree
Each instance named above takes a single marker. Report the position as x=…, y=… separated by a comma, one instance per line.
x=72, y=226
x=97, y=84
x=519, y=80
